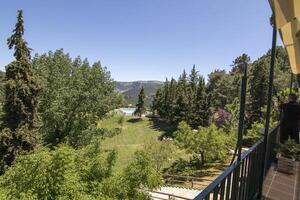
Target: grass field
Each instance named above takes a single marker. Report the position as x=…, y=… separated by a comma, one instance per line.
x=136, y=134
x=133, y=137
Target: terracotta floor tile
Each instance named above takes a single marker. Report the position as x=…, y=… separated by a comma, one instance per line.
x=265, y=189
x=267, y=182
x=284, y=180
x=286, y=176
x=279, y=195
x=289, y=189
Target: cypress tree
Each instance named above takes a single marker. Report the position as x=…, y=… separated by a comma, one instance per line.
x=20, y=104
x=140, y=106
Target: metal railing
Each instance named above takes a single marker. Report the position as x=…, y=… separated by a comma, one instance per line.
x=166, y=196
x=186, y=181
x=241, y=180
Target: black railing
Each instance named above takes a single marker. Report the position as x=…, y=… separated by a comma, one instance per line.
x=241, y=180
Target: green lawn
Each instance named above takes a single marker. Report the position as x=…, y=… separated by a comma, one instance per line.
x=137, y=134
x=134, y=135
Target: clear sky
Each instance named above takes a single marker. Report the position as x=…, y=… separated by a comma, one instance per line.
x=143, y=39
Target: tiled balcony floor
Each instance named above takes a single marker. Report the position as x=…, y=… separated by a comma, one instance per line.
x=281, y=186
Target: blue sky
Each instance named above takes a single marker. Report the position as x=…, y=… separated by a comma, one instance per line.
x=143, y=39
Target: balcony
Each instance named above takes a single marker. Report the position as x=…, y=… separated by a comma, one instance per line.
x=242, y=180
x=279, y=185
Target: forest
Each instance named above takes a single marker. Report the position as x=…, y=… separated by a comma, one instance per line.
x=55, y=110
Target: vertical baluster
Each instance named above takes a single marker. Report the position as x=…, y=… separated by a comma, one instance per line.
x=207, y=197
x=242, y=181
x=222, y=190
x=246, y=178
x=228, y=186
x=235, y=183
x=216, y=193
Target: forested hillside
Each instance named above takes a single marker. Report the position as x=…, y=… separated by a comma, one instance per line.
x=130, y=90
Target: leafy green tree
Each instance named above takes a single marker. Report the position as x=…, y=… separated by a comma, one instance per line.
x=207, y=143
x=160, y=152
x=20, y=103
x=139, y=174
x=85, y=173
x=140, y=106
x=75, y=97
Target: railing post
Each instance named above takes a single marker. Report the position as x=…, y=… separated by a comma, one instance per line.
x=236, y=176
x=291, y=83
x=242, y=110
x=269, y=107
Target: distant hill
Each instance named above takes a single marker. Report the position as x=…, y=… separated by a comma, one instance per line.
x=131, y=90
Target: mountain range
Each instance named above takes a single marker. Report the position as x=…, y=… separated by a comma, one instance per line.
x=131, y=90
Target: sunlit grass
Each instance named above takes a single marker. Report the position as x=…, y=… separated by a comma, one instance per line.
x=133, y=137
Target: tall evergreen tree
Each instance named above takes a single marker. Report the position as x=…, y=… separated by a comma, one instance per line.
x=20, y=104
x=217, y=86
x=202, y=105
x=140, y=106
x=258, y=88
x=194, y=78
x=21, y=89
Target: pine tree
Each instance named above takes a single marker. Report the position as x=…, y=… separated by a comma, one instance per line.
x=194, y=78
x=140, y=106
x=202, y=105
x=172, y=99
x=258, y=86
x=21, y=89
x=20, y=104
x=181, y=109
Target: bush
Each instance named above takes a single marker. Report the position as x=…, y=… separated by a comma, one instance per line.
x=290, y=149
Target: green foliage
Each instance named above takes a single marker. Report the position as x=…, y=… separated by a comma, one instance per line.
x=218, y=87
x=21, y=89
x=121, y=121
x=184, y=100
x=65, y=173
x=76, y=95
x=160, y=152
x=44, y=174
x=258, y=91
x=141, y=173
x=2, y=81
x=255, y=133
x=290, y=149
x=207, y=143
x=14, y=143
x=140, y=106
x=21, y=86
